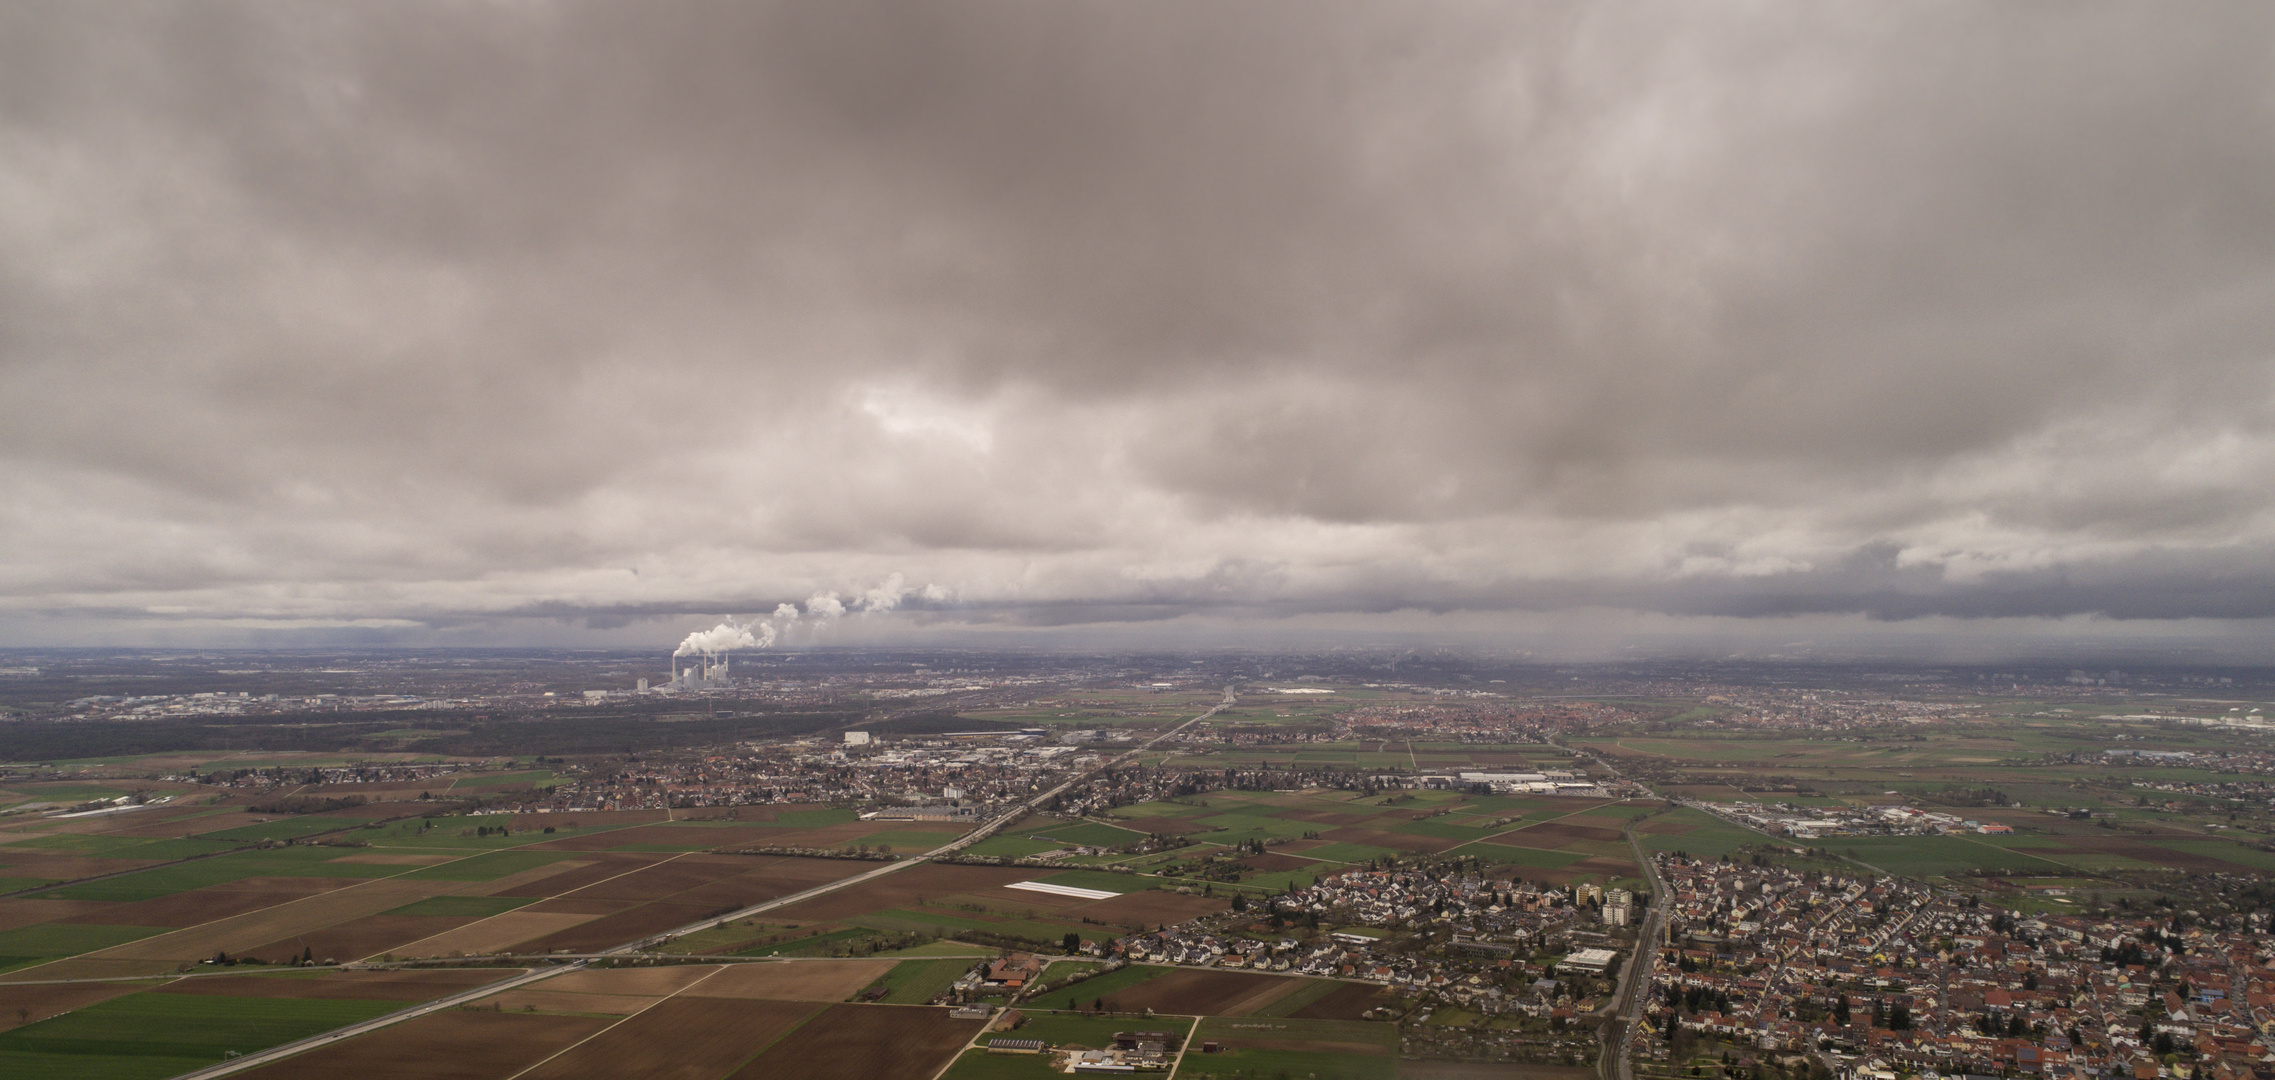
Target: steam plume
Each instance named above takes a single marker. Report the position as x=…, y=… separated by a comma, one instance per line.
x=820, y=609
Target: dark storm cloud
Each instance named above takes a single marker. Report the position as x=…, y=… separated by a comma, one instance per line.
x=434, y=313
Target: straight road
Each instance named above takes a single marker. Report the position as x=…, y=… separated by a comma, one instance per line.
x=1617, y=1062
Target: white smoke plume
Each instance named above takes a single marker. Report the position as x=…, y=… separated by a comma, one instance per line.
x=726, y=637
x=885, y=597
x=824, y=606
x=819, y=610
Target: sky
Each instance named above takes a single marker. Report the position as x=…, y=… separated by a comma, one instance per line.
x=593, y=323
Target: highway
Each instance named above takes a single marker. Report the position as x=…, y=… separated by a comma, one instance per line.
x=277, y=1053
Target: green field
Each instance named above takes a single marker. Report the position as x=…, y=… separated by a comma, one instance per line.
x=50, y=941
x=1324, y=1064
x=150, y=1035
x=168, y=880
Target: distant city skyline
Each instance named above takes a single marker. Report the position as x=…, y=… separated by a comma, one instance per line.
x=1939, y=331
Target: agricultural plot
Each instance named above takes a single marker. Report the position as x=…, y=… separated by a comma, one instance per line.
x=157, y=1034
x=455, y=1044
x=823, y=980
x=695, y=1038
x=865, y=1042
x=1326, y=1049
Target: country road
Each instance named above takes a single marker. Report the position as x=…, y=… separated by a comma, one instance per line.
x=278, y=1053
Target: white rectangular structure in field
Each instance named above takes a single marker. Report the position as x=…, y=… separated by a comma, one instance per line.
x=1062, y=890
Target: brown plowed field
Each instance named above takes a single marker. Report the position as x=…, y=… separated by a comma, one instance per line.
x=1270, y=861
x=900, y=889
x=455, y=1044
x=665, y=880
x=1383, y=838
x=1345, y=1002
x=1555, y=834
x=304, y=916
x=865, y=1042
x=1664, y=828
x=1189, y=991
x=193, y=907
x=57, y=999
x=609, y=931
x=546, y=1001
x=651, y=982
x=342, y=985
x=358, y=938
x=580, y=907
x=794, y=980
x=595, y=869
x=784, y=877
x=1150, y=906
x=681, y=1039
x=298, y=886
x=17, y=911
x=494, y=934
x=507, y=885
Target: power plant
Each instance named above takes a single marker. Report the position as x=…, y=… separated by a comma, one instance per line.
x=708, y=672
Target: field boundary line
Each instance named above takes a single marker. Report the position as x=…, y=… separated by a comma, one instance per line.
x=556, y=896
x=627, y=1018
x=1190, y=1034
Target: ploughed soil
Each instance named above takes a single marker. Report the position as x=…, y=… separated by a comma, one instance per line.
x=684, y=1038
x=1345, y=1002
x=901, y=888
x=865, y=1042
x=1555, y=834
x=454, y=1044
x=358, y=938
x=1396, y=840
x=343, y=985
x=1190, y=991
x=55, y=999
x=794, y=980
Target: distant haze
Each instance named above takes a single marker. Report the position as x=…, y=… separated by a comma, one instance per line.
x=1587, y=323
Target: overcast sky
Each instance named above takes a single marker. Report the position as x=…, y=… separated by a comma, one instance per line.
x=593, y=322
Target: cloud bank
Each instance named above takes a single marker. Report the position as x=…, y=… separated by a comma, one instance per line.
x=430, y=314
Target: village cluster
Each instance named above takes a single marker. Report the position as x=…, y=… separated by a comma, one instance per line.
x=1888, y=977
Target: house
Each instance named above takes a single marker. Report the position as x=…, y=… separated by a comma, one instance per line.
x=1015, y=970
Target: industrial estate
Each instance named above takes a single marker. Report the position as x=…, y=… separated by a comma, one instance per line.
x=968, y=866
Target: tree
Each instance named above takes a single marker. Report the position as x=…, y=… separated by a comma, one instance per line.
x=1073, y=942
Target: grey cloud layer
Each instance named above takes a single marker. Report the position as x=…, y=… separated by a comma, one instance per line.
x=435, y=312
